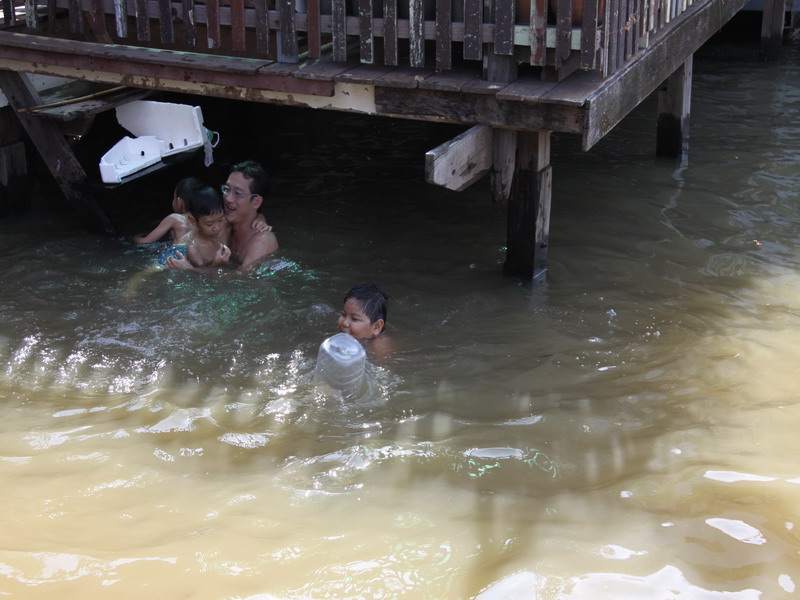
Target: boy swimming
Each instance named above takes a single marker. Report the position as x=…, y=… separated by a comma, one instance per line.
x=364, y=316
x=177, y=223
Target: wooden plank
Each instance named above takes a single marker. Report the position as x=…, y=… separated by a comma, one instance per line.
x=525, y=90
x=53, y=149
x=339, y=30
x=121, y=18
x=390, y=47
x=624, y=90
x=288, y=32
x=674, y=101
x=504, y=151
x=75, y=17
x=612, y=37
x=538, y=32
x=363, y=73
x=31, y=17
x=51, y=15
x=574, y=90
x=563, y=31
x=504, y=19
x=403, y=77
x=449, y=81
x=589, y=35
x=59, y=106
x=213, y=32
x=473, y=40
x=444, y=35
x=460, y=162
x=237, y=26
x=9, y=18
x=165, y=24
x=416, y=34
x=189, y=29
x=772, y=29
x=99, y=21
x=366, y=37
x=314, y=39
x=142, y=21
x=321, y=70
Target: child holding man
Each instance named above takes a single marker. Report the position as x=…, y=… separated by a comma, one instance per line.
x=208, y=217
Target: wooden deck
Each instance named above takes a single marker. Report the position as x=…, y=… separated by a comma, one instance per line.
x=514, y=73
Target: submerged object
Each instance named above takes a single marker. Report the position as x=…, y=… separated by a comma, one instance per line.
x=342, y=363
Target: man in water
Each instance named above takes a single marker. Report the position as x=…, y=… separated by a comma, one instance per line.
x=242, y=195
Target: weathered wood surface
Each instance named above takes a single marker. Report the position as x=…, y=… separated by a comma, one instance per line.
x=674, y=101
x=460, y=162
x=52, y=147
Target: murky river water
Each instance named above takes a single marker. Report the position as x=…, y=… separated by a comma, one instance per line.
x=626, y=430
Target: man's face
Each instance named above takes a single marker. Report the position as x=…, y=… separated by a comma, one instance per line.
x=240, y=203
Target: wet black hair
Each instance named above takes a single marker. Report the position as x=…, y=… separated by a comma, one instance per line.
x=186, y=187
x=205, y=201
x=372, y=299
x=259, y=180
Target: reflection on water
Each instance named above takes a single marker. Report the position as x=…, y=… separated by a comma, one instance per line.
x=626, y=430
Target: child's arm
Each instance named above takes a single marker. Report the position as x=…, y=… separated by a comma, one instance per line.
x=167, y=224
x=260, y=224
x=222, y=256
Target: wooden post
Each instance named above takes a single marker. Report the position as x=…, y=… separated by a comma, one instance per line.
x=13, y=171
x=772, y=28
x=501, y=69
x=529, y=207
x=53, y=148
x=674, y=101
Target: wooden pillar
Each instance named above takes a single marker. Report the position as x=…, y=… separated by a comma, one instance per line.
x=674, y=101
x=13, y=172
x=53, y=148
x=501, y=69
x=772, y=28
x=529, y=207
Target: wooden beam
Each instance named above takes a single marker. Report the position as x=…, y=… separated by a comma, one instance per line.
x=674, y=101
x=626, y=89
x=53, y=149
x=460, y=162
x=529, y=207
x=772, y=28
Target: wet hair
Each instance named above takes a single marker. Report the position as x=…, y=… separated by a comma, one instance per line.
x=205, y=201
x=259, y=180
x=186, y=187
x=372, y=299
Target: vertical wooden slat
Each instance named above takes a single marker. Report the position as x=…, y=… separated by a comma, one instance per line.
x=563, y=31
x=288, y=36
x=314, y=43
x=8, y=12
x=75, y=17
x=212, y=22
x=31, y=18
x=589, y=35
x=366, y=37
x=612, y=24
x=504, y=19
x=237, y=25
x=622, y=14
x=416, y=33
x=473, y=19
x=339, y=31
x=51, y=15
x=631, y=29
x=390, y=32
x=99, y=19
x=444, y=35
x=121, y=18
x=189, y=29
x=142, y=21
x=165, y=25
x=538, y=32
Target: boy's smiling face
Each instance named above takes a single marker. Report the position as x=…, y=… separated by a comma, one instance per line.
x=355, y=322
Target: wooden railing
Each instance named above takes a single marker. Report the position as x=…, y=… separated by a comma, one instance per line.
x=596, y=35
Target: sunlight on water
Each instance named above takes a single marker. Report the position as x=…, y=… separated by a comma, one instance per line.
x=625, y=430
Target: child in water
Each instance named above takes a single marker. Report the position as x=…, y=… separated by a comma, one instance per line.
x=208, y=219
x=364, y=316
x=177, y=223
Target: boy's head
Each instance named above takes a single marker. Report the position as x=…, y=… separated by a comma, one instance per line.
x=364, y=312
x=184, y=188
x=206, y=209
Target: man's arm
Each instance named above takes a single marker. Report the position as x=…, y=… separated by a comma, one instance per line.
x=260, y=246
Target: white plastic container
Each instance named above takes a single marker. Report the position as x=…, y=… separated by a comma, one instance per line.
x=341, y=363
x=128, y=156
x=180, y=126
